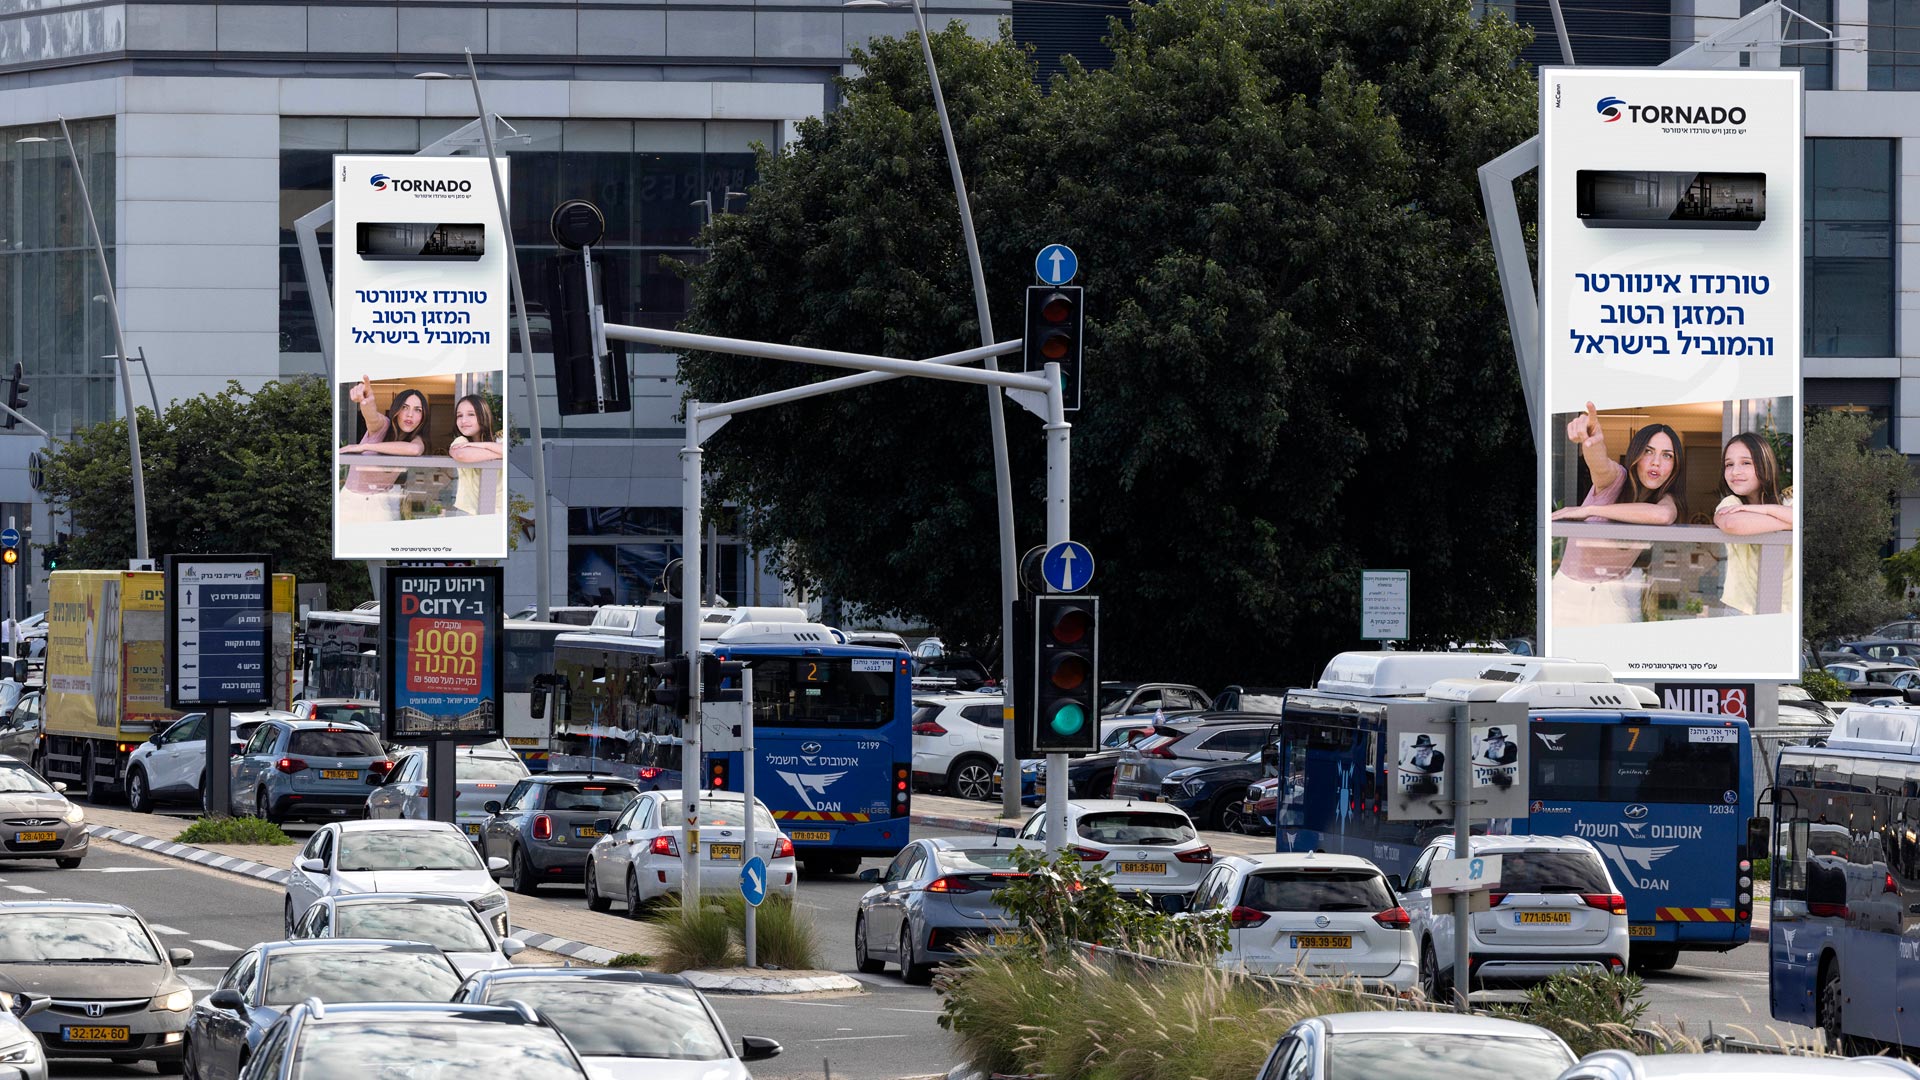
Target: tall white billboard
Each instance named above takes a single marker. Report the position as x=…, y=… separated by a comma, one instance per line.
x=1670, y=304
x=420, y=346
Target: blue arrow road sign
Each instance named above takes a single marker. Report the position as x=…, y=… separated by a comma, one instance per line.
x=1056, y=264
x=9, y=538
x=1067, y=566
x=753, y=880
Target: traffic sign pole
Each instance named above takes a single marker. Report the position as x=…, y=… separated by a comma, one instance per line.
x=1059, y=521
x=746, y=791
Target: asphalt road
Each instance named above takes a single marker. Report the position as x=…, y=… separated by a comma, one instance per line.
x=1719, y=993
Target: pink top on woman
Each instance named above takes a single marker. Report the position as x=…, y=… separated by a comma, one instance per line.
x=371, y=481
x=1602, y=560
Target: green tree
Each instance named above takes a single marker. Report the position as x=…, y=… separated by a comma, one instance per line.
x=1297, y=364
x=1850, y=494
x=234, y=471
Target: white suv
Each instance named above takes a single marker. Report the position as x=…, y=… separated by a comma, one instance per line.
x=957, y=742
x=1557, y=909
x=1332, y=916
x=1149, y=848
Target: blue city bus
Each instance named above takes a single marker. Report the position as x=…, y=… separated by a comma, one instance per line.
x=1844, y=952
x=833, y=729
x=1663, y=795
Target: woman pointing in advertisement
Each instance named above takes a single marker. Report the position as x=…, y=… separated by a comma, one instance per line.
x=1597, y=583
x=371, y=494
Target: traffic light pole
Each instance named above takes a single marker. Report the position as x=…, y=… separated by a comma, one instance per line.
x=1059, y=531
x=692, y=768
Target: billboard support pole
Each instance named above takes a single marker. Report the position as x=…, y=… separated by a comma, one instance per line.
x=1462, y=751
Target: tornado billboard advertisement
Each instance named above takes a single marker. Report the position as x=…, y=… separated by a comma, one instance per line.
x=1670, y=307
x=420, y=345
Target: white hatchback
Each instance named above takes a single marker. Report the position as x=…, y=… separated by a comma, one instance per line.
x=1332, y=916
x=350, y=857
x=1557, y=909
x=1142, y=847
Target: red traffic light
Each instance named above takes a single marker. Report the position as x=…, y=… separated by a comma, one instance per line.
x=1056, y=308
x=1070, y=625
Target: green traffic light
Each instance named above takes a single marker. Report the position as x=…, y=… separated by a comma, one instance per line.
x=1068, y=719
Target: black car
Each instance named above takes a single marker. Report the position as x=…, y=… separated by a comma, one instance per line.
x=1212, y=795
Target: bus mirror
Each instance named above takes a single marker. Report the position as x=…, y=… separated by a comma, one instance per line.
x=1759, y=837
x=537, y=703
x=300, y=658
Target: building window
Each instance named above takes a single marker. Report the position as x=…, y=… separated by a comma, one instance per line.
x=1815, y=59
x=1849, y=247
x=1893, y=44
x=52, y=299
x=1872, y=398
x=615, y=555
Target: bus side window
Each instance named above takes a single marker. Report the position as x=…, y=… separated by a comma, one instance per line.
x=1790, y=859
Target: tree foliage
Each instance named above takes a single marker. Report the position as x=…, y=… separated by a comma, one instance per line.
x=1850, y=494
x=1297, y=364
x=234, y=471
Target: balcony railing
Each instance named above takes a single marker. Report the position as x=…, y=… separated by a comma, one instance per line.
x=428, y=480
x=1669, y=572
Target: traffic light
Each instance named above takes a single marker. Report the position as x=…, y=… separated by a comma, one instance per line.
x=51, y=555
x=1066, y=686
x=1056, y=332
x=670, y=629
x=713, y=672
x=16, y=395
x=574, y=354
x=669, y=687
x=9, y=556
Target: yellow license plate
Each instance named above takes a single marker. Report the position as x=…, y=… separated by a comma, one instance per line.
x=340, y=774
x=586, y=832
x=94, y=1034
x=35, y=837
x=729, y=852
x=816, y=835
x=1550, y=918
x=473, y=829
x=1000, y=939
x=1639, y=931
x=522, y=741
x=1129, y=771
x=1143, y=868
x=1323, y=941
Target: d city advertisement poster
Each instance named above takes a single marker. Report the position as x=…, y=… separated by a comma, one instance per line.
x=441, y=632
x=420, y=333
x=1670, y=304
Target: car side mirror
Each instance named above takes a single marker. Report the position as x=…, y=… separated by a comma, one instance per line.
x=180, y=957
x=228, y=999
x=25, y=1005
x=512, y=947
x=60, y=786
x=871, y=873
x=1759, y=837
x=758, y=1048
x=492, y=807
x=603, y=826
x=1006, y=832
x=1398, y=884
x=155, y=737
x=312, y=866
x=497, y=863
x=1175, y=903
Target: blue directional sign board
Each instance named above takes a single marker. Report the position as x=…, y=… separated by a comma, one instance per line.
x=1056, y=264
x=219, y=631
x=753, y=880
x=9, y=538
x=1067, y=567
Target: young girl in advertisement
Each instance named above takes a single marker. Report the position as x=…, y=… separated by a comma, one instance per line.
x=371, y=494
x=477, y=441
x=1750, y=474
x=1597, y=583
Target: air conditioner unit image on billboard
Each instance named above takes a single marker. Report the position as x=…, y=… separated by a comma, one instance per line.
x=421, y=241
x=1635, y=199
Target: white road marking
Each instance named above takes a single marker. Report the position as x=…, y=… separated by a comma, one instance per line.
x=158, y=929
x=216, y=946
x=927, y=1012
x=28, y=889
x=860, y=1038
x=815, y=1004
x=121, y=869
x=872, y=980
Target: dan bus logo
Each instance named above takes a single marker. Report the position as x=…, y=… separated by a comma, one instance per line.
x=1612, y=110
x=383, y=182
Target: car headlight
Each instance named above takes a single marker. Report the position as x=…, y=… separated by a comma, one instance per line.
x=179, y=1001
x=1194, y=787
x=75, y=815
x=20, y=1053
x=495, y=899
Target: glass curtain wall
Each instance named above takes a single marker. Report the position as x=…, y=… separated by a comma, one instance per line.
x=1849, y=247
x=1893, y=44
x=52, y=299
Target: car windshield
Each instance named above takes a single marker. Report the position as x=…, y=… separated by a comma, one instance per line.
x=18, y=779
x=335, y=742
x=10, y=692
x=1136, y=827
x=718, y=812
x=406, y=1048
x=74, y=937
x=406, y=849
x=1316, y=890
x=1112, y=697
x=1433, y=1055
x=611, y=798
x=1552, y=872
x=621, y=1018
x=352, y=714
x=495, y=769
x=451, y=927
x=341, y=975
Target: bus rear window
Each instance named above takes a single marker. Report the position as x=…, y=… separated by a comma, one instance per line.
x=1634, y=763
x=823, y=691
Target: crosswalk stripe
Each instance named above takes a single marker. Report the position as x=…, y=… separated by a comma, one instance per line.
x=158, y=929
x=27, y=889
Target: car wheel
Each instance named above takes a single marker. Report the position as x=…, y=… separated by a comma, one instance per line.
x=67, y=864
x=263, y=807
x=1433, y=985
x=971, y=778
x=1831, y=1009
x=595, y=902
x=863, y=963
x=139, y=799
x=635, y=906
x=189, y=1062
x=524, y=881
x=1226, y=813
x=912, y=973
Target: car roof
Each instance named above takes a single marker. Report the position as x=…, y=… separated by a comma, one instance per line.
x=1522, y=843
x=597, y=974
x=396, y=825
x=978, y=842
x=350, y=899
x=1088, y=806
x=1433, y=1023
x=271, y=948
x=1626, y=1066
x=300, y=724
x=1286, y=860
x=423, y=1010
x=569, y=777
x=56, y=906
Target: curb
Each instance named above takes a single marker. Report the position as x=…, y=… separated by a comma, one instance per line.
x=964, y=824
x=712, y=983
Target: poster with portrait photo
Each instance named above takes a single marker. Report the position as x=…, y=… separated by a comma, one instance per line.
x=1420, y=770
x=420, y=349
x=1496, y=755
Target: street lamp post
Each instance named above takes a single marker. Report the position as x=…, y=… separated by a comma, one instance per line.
x=120, y=345
x=996, y=413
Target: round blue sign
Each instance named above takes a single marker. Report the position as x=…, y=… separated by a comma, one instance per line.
x=753, y=881
x=1056, y=264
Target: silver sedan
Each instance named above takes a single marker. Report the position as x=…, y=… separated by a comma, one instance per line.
x=36, y=820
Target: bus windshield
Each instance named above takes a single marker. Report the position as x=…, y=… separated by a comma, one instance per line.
x=822, y=691
x=1627, y=762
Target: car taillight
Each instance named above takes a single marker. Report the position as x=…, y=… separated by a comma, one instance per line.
x=1088, y=854
x=1199, y=854
x=664, y=845
x=426, y=793
x=648, y=772
x=783, y=848
x=1159, y=751
x=290, y=765
x=1494, y=898
x=902, y=784
x=1241, y=918
x=1613, y=903
x=929, y=727
x=950, y=885
x=1394, y=918
x=380, y=766
x=542, y=827
x=1616, y=965
x=1829, y=911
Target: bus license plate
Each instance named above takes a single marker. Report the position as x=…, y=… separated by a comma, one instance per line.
x=1143, y=868
x=728, y=852
x=1321, y=941
x=35, y=837
x=820, y=836
x=1549, y=918
x=94, y=1033
x=1639, y=931
x=340, y=774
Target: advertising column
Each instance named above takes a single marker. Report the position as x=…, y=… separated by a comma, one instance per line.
x=420, y=331
x=1670, y=302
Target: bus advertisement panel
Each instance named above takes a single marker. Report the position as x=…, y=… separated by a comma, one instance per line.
x=1670, y=309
